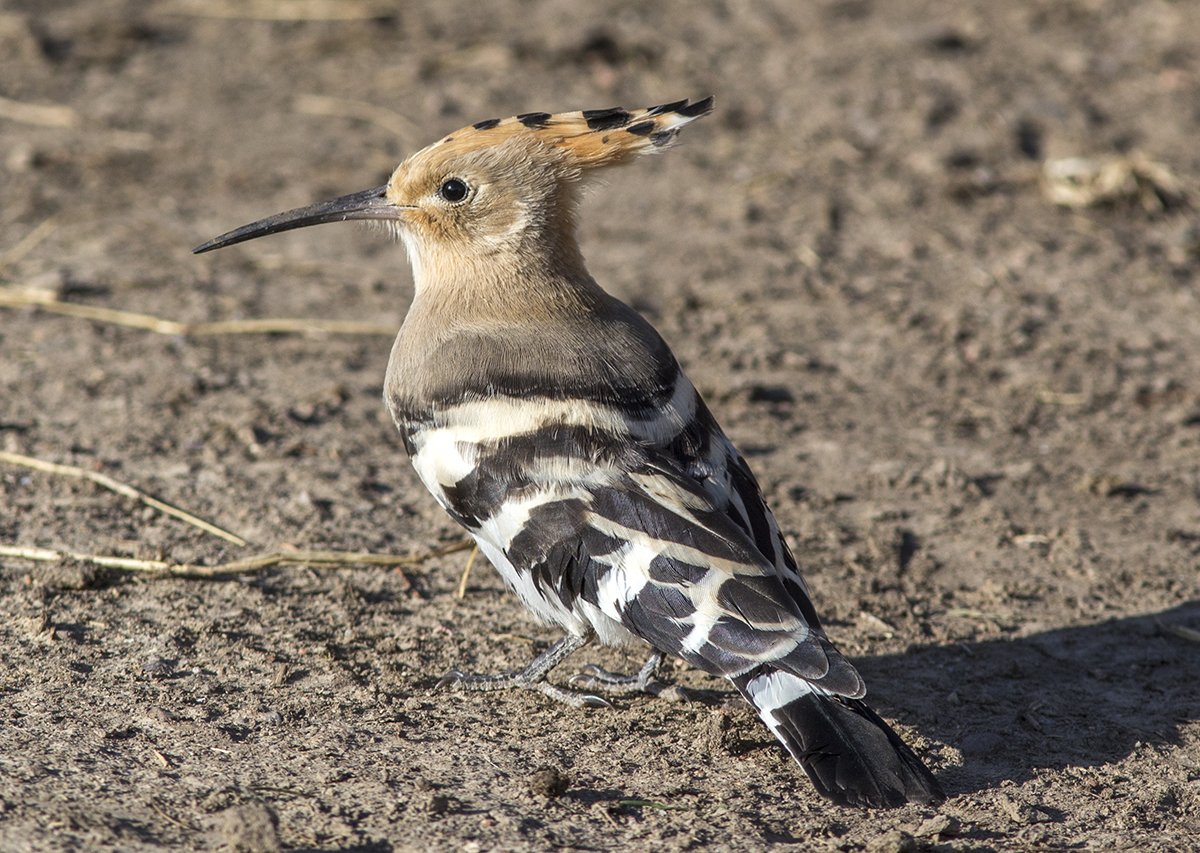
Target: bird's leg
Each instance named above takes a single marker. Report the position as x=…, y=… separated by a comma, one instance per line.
x=532, y=677
x=594, y=678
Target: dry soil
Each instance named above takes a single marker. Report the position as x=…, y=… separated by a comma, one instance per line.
x=975, y=412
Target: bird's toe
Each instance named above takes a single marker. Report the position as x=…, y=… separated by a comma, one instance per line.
x=449, y=679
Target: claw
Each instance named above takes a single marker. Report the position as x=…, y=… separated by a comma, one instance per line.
x=533, y=677
x=558, y=694
x=596, y=678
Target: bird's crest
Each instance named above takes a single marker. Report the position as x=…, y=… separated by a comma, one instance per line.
x=593, y=138
x=523, y=158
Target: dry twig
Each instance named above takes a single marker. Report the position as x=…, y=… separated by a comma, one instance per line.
x=47, y=300
x=121, y=489
x=1181, y=631
x=461, y=592
x=170, y=818
x=279, y=10
x=237, y=567
x=25, y=244
x=45, y=115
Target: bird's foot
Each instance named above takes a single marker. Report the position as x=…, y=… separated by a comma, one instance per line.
x=518, y=680
x=594, y=678
x=533, y=677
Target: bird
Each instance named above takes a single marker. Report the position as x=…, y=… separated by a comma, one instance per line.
x=553, y=422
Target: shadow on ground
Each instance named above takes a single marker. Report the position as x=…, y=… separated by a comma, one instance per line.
x=1071, y=697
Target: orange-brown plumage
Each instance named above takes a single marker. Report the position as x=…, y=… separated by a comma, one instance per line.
x=592, y=138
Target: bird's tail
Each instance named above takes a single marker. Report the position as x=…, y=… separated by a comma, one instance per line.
x=852, y=756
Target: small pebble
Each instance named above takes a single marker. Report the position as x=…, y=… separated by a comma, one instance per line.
x=938, y=825
x=283, y=674
x=161, y=715
x=549, y=782
x=158, y=666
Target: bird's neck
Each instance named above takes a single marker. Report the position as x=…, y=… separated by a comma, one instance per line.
x=503, y=282
x=514, y=327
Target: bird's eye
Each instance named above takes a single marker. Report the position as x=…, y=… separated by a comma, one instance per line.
x=453, y=190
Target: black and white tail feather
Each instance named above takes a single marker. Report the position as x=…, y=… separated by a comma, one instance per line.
x=553, y=423
x=851, y=755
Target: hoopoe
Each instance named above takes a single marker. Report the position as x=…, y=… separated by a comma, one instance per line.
x=553, y=422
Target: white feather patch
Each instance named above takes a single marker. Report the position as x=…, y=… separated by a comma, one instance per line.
x=629, y=574
x=775, y=690
x=501, y=417
x=512, y=516
x=442, y=459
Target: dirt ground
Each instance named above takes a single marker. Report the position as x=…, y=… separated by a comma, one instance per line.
x=975, y=412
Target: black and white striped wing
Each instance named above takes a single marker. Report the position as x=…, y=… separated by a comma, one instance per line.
x=619, y=534
x=695, y=584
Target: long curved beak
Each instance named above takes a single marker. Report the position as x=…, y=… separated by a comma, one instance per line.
x=368, y=204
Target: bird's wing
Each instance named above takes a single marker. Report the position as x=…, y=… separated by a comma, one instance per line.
x=697, y=584
x=623, y=531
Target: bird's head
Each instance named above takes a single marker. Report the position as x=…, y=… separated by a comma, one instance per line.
x=502, y=188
